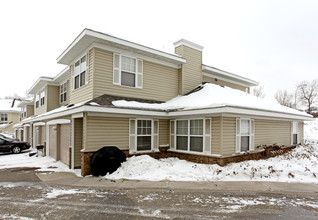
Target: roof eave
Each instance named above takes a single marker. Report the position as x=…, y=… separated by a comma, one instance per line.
x=230, y=76
x=87, y=33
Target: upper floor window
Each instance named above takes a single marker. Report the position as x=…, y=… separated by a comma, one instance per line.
x=42, y=96
x=4, y=117
x=63, y=92
x=189, y=135
x=79, y=74
x=128, y=71
x=37, y=98
x=24, y=111
x=295, y=133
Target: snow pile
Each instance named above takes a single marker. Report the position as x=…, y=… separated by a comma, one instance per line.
x=311, y=130
x=211, y=96
x=43, y=163
x=299, y=165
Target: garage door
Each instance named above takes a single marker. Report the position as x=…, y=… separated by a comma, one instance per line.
x=65, y=142
x=53, y=142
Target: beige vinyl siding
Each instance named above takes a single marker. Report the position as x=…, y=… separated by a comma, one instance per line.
x=229, y=136
x=78, y=141
x=85, y=92
x=159, y=82
x=52, y=97
x=104, y=131
x=223, y=83
x=216, y=136
x=164, y=132
x=41, y=109
x=30, y=111
x=192, y=69
x=269, y=132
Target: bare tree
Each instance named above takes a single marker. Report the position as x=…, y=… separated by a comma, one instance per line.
x=284, y=98
x=307, y=93
x=258, y=92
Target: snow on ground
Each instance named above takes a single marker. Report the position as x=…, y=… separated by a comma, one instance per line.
x=8, y=160
x=311, y=130
x=299, y=165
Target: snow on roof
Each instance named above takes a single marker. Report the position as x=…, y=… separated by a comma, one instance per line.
x=5, y=105
x=4, y=125
x=212, y=96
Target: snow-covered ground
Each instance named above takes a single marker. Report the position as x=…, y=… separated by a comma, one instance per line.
x=299, y=165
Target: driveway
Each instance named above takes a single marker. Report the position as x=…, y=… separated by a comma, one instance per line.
x=25, y=194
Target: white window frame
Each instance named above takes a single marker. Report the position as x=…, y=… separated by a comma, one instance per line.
x=143, y=135
x=63, y=92
x=42, y=96
x=117, y=68
x=189, y=135
x=249, y=132
x=295, y=130
x=4, y=117
x=37, y=100
x=239, y=134
x=80, y=72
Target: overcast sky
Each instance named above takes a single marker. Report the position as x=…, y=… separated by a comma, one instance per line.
x=272, y=42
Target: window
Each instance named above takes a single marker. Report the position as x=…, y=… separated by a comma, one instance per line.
x=79, y=74
x=63, y=92
x=24, y=112
x=127, y=71
x=189, y=135
x=37, y=100
x=4, y=117
x=244, y=135
x=42, y=97
x=294, y=133
x=144, y=131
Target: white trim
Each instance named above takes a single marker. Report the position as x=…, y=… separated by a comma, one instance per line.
x=47, y=131
x=73, y=155
x=39, y=124
x=59, y=121
x=226, y=76
x=89, y=36
x=78, y=115
x=188, y=44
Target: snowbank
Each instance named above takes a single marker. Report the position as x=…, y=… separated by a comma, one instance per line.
x=311, y=130
x=299, y=165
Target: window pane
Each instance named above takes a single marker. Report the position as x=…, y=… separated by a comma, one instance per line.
x=245, y=143
x=76, y=81
x=82, y=78
x=128, y=79
x=196, y=127
x=196, y=144
x=143, y=143
x=295, y=127
x=245, y=127
x=182, y=143
x=295, y=139
x=182, y=127
x=128, y=64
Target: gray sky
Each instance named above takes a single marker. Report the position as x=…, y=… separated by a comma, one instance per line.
x=273, y=42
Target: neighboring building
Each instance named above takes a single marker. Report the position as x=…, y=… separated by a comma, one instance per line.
x=145, y=101
x=9, y=115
